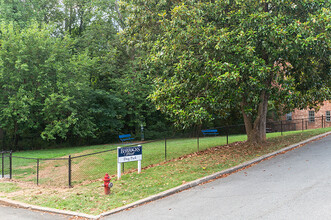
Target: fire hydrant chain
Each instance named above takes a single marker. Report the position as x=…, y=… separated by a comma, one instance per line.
x=107, y=184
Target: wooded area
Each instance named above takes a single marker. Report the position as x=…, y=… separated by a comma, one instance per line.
x=66, y=77
x=77, y=72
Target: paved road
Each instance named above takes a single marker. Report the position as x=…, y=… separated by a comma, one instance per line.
x=296, y=185
x=11, y=213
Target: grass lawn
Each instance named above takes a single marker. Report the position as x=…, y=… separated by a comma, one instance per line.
x=89, y=168
x=157, y=175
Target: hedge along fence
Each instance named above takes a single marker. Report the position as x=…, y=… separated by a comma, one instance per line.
x=90, y=165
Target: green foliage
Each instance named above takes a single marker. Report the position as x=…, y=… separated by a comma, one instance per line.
x=107, y=113
x=66, y=77
x=23, y=12
x=210, y=57
x=41, y=82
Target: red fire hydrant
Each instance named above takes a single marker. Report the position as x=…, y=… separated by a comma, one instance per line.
x=107, y=184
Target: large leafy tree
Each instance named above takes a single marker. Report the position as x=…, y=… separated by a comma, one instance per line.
x=42, y=84
x=209, y=56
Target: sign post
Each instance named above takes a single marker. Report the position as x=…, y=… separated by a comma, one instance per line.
x=128, y=154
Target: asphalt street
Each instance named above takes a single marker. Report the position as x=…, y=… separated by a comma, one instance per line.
x=295, y=185
x=11, y=213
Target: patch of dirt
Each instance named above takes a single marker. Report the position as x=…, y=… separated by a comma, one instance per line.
x=54, y=171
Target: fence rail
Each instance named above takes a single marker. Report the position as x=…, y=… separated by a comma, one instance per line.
x=75, y=169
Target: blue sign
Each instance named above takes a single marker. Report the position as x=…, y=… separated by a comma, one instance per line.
x=128, y=154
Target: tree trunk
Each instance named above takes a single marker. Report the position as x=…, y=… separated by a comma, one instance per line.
x=256, y=131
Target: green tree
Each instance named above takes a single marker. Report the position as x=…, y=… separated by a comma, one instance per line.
x=211, y=56
x=107, y=112
x=23, y=12
x=116, y=71
x=42, y=83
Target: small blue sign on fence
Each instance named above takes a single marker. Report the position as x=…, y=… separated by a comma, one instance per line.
x=128, y=154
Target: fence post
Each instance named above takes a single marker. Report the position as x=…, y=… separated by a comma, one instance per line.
x=302, y=125
x=69, y=170
x=227, y=135
x=165, y=148
x=3, y=164
x=10, y=165
x=281, y=127
x=198, y=141
x=37, y=172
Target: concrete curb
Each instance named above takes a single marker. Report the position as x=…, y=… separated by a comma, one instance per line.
x=167, y=192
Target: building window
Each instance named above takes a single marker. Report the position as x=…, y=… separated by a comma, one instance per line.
x=311, y=115
x=289, y=116
x=327, y=116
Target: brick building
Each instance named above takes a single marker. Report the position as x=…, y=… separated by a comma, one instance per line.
x=311, y=118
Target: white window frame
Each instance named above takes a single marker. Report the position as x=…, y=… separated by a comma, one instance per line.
x=311, y=116
x=328, y=116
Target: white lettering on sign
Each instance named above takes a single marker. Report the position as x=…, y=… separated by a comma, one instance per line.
x=128, y=154
x=130, y=150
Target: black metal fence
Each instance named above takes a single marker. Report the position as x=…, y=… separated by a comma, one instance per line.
x=63, y=171
x=91, y=164
x=6, y=164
